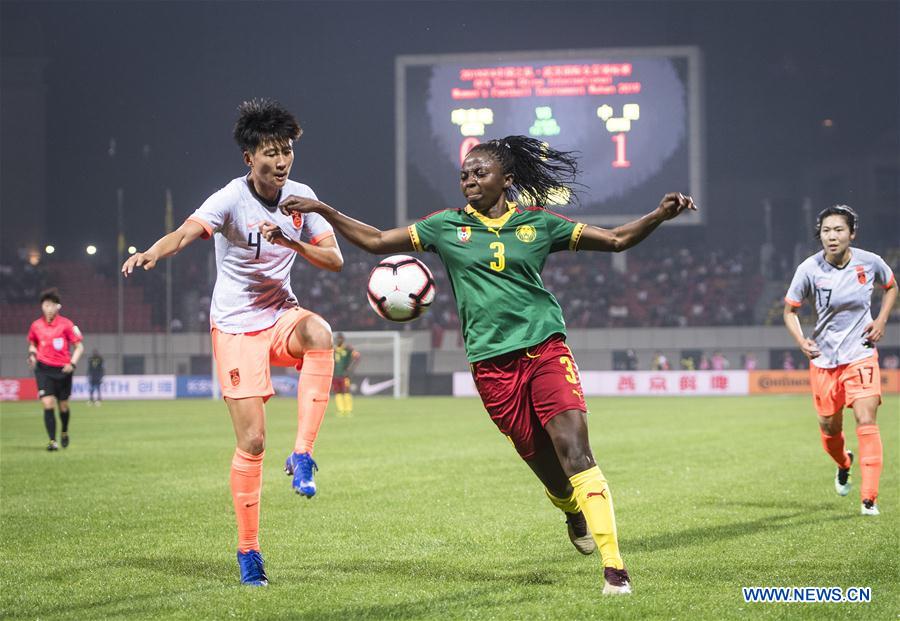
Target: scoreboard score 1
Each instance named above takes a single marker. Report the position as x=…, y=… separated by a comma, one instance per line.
x=633, y=115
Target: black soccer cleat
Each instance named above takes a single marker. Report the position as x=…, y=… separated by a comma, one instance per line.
x=842, y=478
x=53, y=446
x=579, y=534
x=65, y=440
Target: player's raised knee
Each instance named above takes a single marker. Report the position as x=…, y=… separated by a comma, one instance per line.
x=314, y=333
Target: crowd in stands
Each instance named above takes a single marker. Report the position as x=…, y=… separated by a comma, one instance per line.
x=652, y=287
x=21, y=281
x=676, y=288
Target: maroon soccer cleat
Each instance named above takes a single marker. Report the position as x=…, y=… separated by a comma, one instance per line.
x=616, y=581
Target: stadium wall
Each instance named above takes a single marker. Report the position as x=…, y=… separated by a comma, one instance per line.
x=460, y=384
x=190, y=351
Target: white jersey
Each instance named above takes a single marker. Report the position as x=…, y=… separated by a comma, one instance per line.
x=253, y=276
x=843, y=301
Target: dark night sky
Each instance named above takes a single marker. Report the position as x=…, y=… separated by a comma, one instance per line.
x=170, y=75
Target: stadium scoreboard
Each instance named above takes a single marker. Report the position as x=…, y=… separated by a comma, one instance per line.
x=633, y=115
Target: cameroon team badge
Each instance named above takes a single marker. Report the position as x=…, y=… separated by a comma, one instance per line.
x=464, y=233
x=526, y=233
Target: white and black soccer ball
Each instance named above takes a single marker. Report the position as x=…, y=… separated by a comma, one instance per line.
x=401, y=288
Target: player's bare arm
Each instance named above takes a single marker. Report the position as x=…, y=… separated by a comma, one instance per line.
x=325, y=255
x=32, y=355
x=358, y=233
x=875, y=330
x=76, y=356
x=628, y=235
x=166, y=246
x=792, y=322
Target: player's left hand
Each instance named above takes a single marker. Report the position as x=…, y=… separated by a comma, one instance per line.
x=271, y=232
x=674, y=203
x=68, y=369
x=874, y=331
x=300, y=204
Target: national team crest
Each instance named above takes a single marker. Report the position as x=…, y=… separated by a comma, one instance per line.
x=526, y=233
x=298, y=220
x=235, y=375
x=861, y=274
x=464, y=233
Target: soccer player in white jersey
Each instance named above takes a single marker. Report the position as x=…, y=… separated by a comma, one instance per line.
x=843, y=366
x=255, y=317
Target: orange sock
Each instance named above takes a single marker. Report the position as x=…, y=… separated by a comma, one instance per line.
x=246, y=485
x=312, y=396
x=834, y=446
x=870, y=459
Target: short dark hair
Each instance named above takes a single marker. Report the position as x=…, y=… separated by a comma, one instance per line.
x=850, y=216
x=262, y=121
x=50, y=294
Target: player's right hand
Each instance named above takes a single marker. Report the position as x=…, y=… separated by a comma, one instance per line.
x=674, y=203
x=300, y=204
x=147, y=260
x=809, y=348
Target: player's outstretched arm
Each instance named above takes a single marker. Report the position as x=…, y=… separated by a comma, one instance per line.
x=792, y=322
x=358, y=233
x=628, y=235
x=164, y=247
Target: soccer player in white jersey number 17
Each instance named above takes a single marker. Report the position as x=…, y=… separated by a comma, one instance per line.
x=843, y=365
x=255, y=318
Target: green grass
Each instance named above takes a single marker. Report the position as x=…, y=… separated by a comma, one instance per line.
x=425, y=512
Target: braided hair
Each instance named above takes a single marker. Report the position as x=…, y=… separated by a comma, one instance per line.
x=539, y=172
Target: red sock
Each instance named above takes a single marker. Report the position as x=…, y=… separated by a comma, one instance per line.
x=834, y=446
x=246, y=485
x=870, y=460
x=312, y=396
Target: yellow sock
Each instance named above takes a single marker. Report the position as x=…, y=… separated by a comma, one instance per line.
x=339, y=400
x=569, y=505
x=595, y=501
x=348, y=402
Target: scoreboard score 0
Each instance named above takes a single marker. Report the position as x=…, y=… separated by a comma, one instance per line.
x=632, y=114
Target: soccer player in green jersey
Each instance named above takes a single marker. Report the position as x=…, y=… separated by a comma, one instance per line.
x=345, y=358
x=494, y=251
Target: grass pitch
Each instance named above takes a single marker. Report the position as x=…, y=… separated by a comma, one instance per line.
x=426, y=512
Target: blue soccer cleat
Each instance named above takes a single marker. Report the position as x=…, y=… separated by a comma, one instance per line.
x=302, y=466
x=252, y=571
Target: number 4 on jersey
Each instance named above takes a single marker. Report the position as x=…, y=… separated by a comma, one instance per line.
x=257, y=243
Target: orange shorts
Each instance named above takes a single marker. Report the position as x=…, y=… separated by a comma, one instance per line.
x=837, y=388
x=243, y=361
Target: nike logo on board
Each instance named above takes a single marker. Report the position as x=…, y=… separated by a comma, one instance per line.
x=367, y=388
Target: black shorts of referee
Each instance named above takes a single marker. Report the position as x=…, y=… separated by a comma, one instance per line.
x=52, y=382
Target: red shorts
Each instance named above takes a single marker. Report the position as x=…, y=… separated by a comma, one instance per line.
x=837, y=388
x=524, y=389
x=340, y=385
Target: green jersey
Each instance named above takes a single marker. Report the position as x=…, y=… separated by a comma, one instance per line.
x=343, y=358
x=495, y=265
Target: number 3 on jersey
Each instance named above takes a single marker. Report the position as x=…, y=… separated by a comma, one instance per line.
x=569, y=364
x=499, y=250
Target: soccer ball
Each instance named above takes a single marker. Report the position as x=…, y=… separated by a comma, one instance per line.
x=401, y=288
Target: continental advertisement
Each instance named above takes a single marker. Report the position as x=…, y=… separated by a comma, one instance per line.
x=781, y=382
